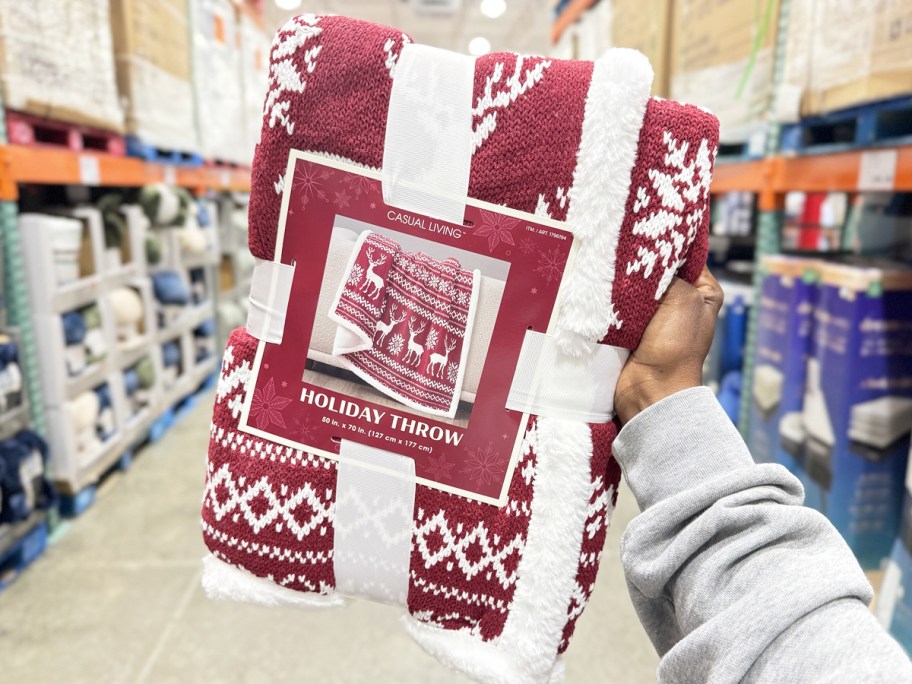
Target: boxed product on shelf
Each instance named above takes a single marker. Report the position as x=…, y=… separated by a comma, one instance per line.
x=644, y=25
x=784, y=325
x=722, y=58
x=845, y=52
x=56, y=60
x=216, y=78
x=152, y=55
x=893, y=605
x=857, y=405
x=254, y=58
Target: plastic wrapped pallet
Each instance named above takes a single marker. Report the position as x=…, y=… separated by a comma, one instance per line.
x=152, y=54
x=722, y=57
x=216, y=62
x=254, y=80
x=843, y=53
x=644, y=25
x=56, y=61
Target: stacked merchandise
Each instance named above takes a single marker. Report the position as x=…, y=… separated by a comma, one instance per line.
x=842, y=53
x=217, y=82
x=236, y=266
x=722, y=57
x=722, y=368
x=644, y=26
x=152, y=55
x=848, y=435
x=56, y=60
x=254, y=57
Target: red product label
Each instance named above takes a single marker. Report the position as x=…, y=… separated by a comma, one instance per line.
x=403, y=332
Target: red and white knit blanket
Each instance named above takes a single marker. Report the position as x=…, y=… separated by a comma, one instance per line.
x=406, y=322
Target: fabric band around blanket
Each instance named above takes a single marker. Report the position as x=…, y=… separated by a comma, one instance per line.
x=270, y=288
x=375, y=501
x=427, y=152
x=549, y=382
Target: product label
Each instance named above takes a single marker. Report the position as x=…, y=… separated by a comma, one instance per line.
x=403, y=332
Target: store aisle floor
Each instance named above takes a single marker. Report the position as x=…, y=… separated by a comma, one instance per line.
x=117, y=599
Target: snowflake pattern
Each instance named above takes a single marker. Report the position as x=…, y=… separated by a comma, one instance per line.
x=500, y=93
x=680, y=189
x=483, y=465
x=266, y=407
x=304, y=430
x=395, y=344
x=285, y=81
x=342, y=200
x=496, y=228
x=527, y=246
x=355, y=275
x=452, y=372
x=309, y=181
x=551, y=264
x=431, y=340
x=360, y=185
x=439, y=469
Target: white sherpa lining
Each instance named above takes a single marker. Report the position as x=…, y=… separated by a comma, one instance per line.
x=230, y=583
x=615, y=107
x=526, y=650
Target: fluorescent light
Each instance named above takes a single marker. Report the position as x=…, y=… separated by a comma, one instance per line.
x=493, y=8
x=479, y=46
x=288, y=4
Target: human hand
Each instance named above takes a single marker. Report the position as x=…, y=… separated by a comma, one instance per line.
x=674, y=345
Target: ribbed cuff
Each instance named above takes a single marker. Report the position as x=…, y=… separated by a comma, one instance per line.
x=678, y=443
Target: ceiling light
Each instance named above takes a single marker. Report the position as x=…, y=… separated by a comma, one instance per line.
x=288, y=4
x=493, y=8
x=479, y=46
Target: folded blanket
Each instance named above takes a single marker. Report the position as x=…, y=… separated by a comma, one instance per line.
x=494, y=591
x=388, y=301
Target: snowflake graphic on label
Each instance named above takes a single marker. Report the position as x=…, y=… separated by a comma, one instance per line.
x=360, y=185
x=308, y=183
x=304, y=430
x=395, y=344
x=355, y=275
x=342, y=200
x=496, y=228
x=669, y=225
x=483, y=465
x=527, y=246
x=266, y=407
x=439, y=469
x=551, y=264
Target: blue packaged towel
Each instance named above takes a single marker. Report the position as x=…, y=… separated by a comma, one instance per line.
x=206, y=328
x=22, y=476
x=9, y=353
x=171, y=354
x=203, y=217
x=170, y=288
x=74, y=327
x=104, y=396
x=131, y=381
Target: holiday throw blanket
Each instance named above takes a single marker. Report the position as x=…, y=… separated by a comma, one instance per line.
x=406, y=323
x=493, y=591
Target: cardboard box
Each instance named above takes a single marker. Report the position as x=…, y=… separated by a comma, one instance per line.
x=722, y=59
x=784, y=326
x=645, y=25
x=152, y=54
x=217, y=80
x=56, y=61
x=254, y=76
x=857, y=407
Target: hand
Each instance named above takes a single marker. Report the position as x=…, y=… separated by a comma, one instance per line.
x=675, y=344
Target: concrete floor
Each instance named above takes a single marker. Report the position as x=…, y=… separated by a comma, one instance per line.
x=117, y=599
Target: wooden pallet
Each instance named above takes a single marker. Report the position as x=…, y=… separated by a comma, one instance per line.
x=72, y=505
x=150, y=153
x=20, y=545
x=877, y=123
x=25, y=129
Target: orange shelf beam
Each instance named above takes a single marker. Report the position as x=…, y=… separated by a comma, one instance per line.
x=570, y=15
x=835, y=172
x=53, y=166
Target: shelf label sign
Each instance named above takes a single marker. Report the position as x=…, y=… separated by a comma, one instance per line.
x=877, y=170
x=89, y=171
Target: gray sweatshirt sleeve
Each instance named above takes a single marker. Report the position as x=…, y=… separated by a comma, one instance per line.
x=733, y=579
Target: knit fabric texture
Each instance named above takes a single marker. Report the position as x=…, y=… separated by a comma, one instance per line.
x=268, y=509
x=389, y=300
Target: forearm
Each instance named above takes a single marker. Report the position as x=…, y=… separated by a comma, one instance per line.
x=727, y=569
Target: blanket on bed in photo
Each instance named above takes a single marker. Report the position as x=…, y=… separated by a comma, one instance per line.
x=405, y=323
x=494, y=591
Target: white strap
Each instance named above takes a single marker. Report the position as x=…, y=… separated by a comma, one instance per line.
x=427, y=154
x=548, y=382
x=270, y=288
x=375, y=502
